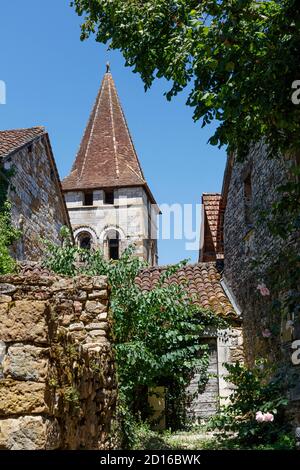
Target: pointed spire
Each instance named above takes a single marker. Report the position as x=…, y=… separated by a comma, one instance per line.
x=106, y=157
x=107, y=67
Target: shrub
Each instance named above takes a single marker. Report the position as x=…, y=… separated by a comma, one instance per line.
x=255, y=415
x=156, y=333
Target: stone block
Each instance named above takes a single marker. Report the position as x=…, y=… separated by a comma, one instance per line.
x=6, y=288
x=94, y=307
x=26, y=362
x=5, y=298
x=63, y=284
x=24, y=321
x=97, y=326
x=84, y=282
x=17, y=397
x=2, y=351
x=95, y=333
x=76, y=326
x=29, y=433
x=98, y=294
x=102, y=316
x=100, y=282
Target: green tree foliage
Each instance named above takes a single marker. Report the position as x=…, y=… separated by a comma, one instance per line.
x=236, y=58
x=8, y=233
x=156, y=333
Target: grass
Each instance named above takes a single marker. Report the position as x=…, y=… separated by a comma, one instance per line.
x=198, y=439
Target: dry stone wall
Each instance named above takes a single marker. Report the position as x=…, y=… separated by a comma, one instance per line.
x=57, y=374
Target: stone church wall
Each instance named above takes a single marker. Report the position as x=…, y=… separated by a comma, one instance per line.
x=132, y=216
x=57, y=373
x=37, y=203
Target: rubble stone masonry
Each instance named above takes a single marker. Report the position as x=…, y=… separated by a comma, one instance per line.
x=250, y=252
x=57, y=373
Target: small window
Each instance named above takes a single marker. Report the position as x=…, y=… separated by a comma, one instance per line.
x=109, y=197
x=113, y=248
x=29, y=149
x=248, y=201
x=85, y=241
x=88, y=199
x=113, y=244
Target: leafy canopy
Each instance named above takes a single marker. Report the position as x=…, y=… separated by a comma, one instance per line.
x=236, y=58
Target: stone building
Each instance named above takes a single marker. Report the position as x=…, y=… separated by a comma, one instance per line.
x=251, y=252
x=38, y=206
x=108, y=199
x=202, y=282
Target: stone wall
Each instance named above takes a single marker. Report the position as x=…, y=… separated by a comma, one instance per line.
x=57, y=374
x=131, y=215
x=265, y=333
x=246, y=243
x=38, y=207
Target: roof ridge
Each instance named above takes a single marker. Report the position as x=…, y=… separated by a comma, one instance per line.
x=106, y=156
x=42, y=128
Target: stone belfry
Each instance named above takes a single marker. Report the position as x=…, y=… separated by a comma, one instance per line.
x=109, y=202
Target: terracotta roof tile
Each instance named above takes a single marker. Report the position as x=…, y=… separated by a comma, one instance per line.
x=106, y=157
x=213, y=227
x=11, y=140
x=203, y=284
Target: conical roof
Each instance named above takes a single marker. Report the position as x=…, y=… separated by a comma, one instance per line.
x=106, y=157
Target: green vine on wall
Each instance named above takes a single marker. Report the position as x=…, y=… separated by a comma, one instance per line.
x=8, y=233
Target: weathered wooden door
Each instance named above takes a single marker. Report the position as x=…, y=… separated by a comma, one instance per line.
x=203, y=405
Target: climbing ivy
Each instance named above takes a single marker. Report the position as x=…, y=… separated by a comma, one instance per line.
x=8, y=233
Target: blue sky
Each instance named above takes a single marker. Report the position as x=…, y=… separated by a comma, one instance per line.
x=52, y=79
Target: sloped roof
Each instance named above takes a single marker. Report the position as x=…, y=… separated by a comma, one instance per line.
x=106, y=157
x=11, y=140
x=212, y=245
x=201, y=281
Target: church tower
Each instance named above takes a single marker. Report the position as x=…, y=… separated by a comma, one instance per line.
x=109, y=202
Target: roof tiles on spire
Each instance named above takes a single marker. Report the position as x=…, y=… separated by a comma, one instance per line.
x=106, y=157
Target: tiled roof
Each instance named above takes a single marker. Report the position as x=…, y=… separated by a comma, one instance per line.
x=13, y=139
x=202, y=283
x=213, y=227
x=106, y=157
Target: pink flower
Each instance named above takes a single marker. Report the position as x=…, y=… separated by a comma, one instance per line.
x=263, y=290
x=268, y=417
x=266, y=333
x=259, y=417
x=264, y=417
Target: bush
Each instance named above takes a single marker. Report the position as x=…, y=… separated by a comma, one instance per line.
x=156, y=333
x=255, y=415
x=8, y=235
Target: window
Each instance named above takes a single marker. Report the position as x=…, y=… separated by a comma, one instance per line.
x=248, y=201
x=109, y=197
x=29, y=149
x=113, y=244
x=85, y=241
x=88, y=199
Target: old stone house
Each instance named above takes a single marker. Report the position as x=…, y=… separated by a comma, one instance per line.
x=202, y=282
x=242, y=237
x=38, y=206
x=108, y=199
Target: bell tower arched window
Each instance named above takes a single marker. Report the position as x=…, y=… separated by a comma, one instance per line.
x=85, y=240
x=113, y=244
